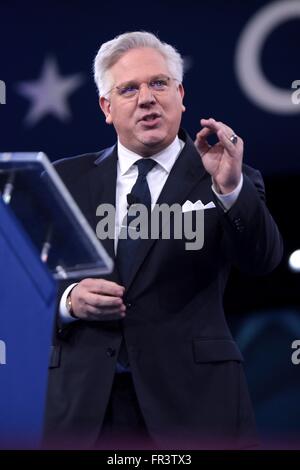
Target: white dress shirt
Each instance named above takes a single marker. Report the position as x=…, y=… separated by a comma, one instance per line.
x=127, y=174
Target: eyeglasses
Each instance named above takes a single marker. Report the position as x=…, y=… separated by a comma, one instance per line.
x=157, y=85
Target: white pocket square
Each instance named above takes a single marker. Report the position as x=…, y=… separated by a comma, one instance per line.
x=196, y=206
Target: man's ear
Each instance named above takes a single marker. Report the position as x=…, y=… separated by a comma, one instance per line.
x=181, y=92
x=105, y=106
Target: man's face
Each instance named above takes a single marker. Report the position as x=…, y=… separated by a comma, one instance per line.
x=149, y=121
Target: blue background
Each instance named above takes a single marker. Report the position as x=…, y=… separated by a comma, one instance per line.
x=263, y=312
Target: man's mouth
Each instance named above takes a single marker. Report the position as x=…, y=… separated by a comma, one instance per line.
x=151, y=118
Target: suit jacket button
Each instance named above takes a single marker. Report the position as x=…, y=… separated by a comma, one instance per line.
x=110, y=352
x=128, y=305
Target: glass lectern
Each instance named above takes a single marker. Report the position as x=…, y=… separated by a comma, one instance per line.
x=31, y=187
x=44, y=237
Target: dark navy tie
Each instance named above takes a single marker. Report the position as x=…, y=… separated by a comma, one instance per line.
x=140, y=194
x=127, y=247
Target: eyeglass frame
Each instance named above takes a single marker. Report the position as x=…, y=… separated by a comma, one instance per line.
x=137, y=90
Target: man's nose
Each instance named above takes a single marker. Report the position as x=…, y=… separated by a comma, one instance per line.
x=146, y=96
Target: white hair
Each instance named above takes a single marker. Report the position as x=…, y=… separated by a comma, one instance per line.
x=111, y=51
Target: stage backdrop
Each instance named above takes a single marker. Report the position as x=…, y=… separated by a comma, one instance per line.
x=242, y=67
x=241, y=60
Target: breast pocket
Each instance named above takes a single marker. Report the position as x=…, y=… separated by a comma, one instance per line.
x=215, y=350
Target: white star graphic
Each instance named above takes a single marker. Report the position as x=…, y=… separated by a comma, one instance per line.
x=49, y=94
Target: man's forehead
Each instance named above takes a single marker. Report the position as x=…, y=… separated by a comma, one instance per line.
x=139, y=64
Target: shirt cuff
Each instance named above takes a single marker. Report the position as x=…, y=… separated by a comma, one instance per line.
x=63, y=311
x=227, y=200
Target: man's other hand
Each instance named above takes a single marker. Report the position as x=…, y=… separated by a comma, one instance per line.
x=97, y=300
x=223, y=161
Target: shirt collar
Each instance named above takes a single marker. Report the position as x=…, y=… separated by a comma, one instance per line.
x=166, y=158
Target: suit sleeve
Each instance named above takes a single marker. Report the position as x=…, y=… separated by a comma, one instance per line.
x=251, y=239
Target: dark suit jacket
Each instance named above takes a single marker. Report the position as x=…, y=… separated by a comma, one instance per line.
x=186, y=368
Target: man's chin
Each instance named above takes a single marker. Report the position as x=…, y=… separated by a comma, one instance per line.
x=155, y=141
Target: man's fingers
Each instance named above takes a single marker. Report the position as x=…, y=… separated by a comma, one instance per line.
x=216, y=126
x=104, y=310
x=102, y=286
x=97, y=296
x=101, y=314
x=210, y=124
x=201, y=140
x=97, y=300
x=204, y=133
x=226, y=142
x=223, y=132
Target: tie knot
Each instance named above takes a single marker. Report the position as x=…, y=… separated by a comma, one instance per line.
x=145, y=165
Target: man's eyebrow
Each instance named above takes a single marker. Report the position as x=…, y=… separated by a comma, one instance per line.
x=160, y=76
x=135, y=82
x=129, y=82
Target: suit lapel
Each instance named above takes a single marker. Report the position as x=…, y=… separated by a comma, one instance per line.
x=103, y=188
x=187, y=171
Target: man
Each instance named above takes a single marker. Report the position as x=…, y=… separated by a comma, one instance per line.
x=146, y=351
